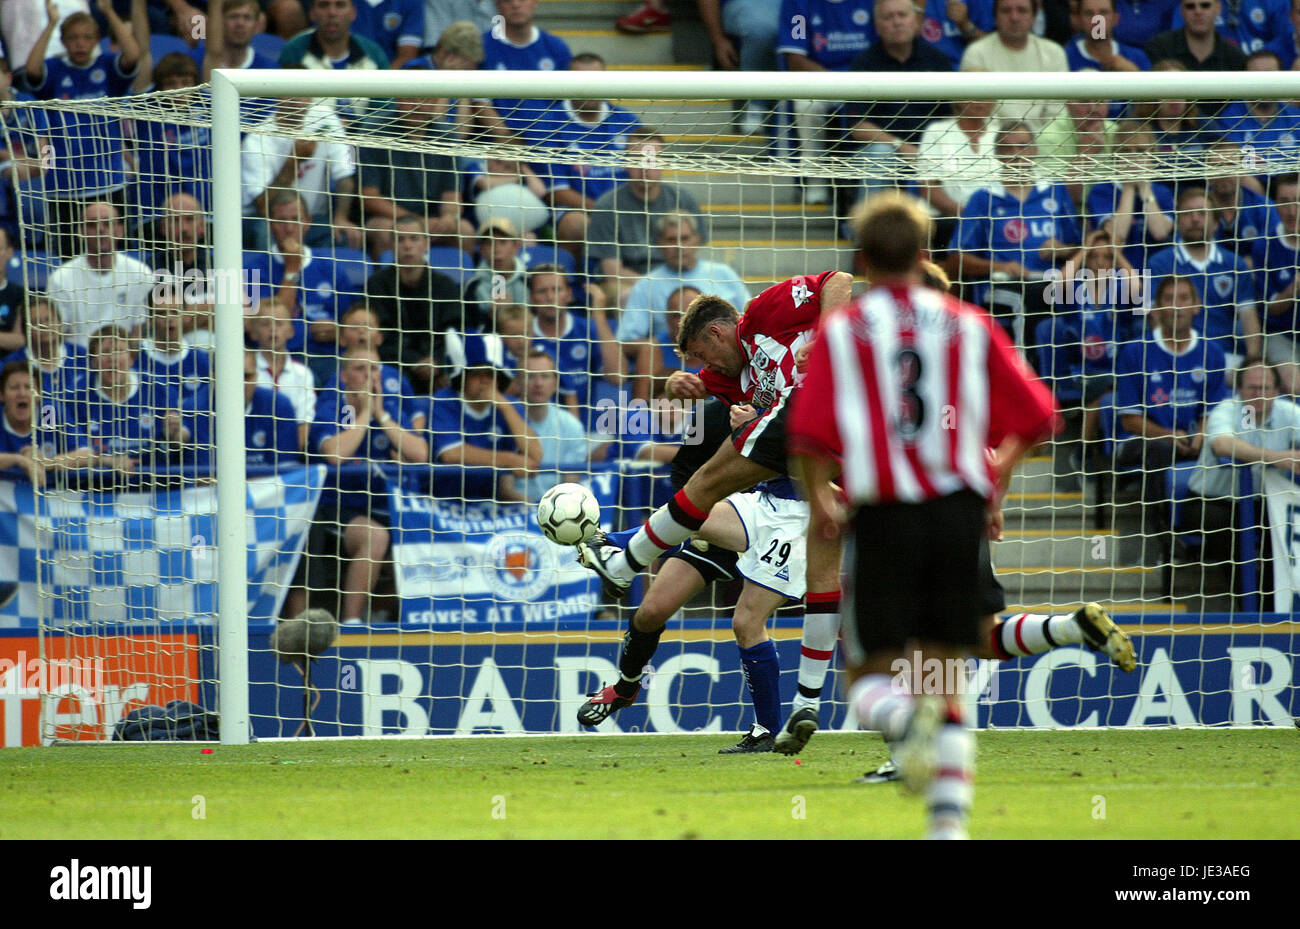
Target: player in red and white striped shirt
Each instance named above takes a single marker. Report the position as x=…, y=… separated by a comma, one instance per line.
x=904, y=392
x=747, y=359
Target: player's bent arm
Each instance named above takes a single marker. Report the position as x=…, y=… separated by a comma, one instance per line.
x=837, y=291
x=683, y=385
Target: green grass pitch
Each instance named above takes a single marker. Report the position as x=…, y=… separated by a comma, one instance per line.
x=1162, y=784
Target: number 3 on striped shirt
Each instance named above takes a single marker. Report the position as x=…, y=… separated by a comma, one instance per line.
x=911, y=406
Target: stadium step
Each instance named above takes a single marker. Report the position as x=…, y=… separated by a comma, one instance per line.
x=599, y=36
x=1062, y=549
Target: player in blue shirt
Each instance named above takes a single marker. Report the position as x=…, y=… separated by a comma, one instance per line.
x=1249, y=24
x=515, y=44
x=474, y=423
x=583, y=345
x=1244, y=213
x=270, y=424
x=62, y=445
x=396, y=26
x=87, y=161
x=1224, y=283
x=1014, y=228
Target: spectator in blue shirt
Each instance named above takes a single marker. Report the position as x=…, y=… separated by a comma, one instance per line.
x=1248, y=24
x=1096, y=48
x=1016, y=230
x=951, y=25
x=173, y=157
x=1224, y=282
x=229, y=43
x=119, y=411
x=1139, y=21
x=396, y=26
x=301, y=278
x=474, y=423
x=582, y=344
x=88, y=157
x=1267, y=130
x=1138, y=214
x=13, y=335
x=560, y=433
x=358, y=422
x=1276, y=257
x=332, y=45
x=165, y=363
x=1243, y=209
x=584, y=127
x=270, y=428
x=63, y=365
x=820, y=35
x=1166, y=383
x=1287, y=46
x=514, y=43
x=62, y=446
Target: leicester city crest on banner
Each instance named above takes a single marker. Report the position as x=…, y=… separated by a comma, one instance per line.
x=518, y=566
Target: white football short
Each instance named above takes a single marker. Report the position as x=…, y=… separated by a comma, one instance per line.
x=774, y=528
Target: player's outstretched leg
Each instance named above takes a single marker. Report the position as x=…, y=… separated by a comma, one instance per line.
x=675, y=584
x=1033, y=633
x=675, y=522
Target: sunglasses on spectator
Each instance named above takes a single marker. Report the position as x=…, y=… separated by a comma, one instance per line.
x=1197, y=6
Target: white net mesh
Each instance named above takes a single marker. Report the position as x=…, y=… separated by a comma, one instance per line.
x=394, y=450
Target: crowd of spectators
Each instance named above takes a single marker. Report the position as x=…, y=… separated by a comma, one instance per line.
x=411, y=307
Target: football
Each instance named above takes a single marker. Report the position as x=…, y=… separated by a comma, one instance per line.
x=568, y=514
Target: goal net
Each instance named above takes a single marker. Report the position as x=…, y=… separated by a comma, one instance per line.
x=449, y=291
